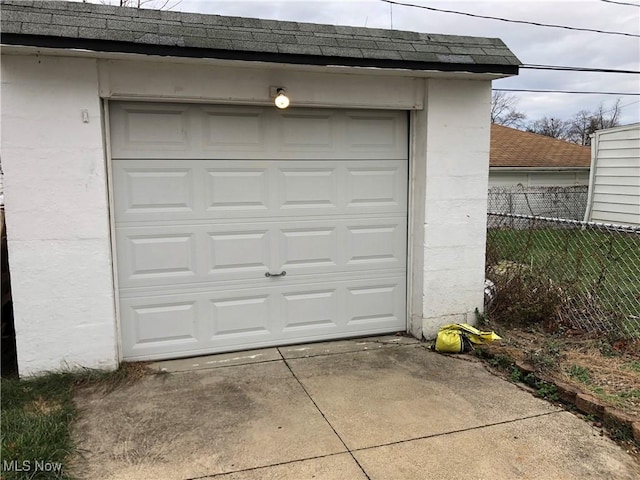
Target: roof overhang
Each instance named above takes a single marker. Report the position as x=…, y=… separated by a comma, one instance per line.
x=95, y=47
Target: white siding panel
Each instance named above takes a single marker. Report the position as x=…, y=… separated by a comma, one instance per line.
x=616, y=198
x=613, y=180
x=618, y=189
x=620, y=144
x=616, y=180
x=617, y=171
x=619, y=157
x=615, y=217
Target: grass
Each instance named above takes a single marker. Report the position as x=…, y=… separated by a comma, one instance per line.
x=598, y=270
x=635, y=366
x=580, y=374
x=37, y=415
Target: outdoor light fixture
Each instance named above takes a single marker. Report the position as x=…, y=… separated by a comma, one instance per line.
x=281, y=101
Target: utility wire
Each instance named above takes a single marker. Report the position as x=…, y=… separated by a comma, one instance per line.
x=620, y=107
x=622, y=3
x=550, y=25
x=576, y=69
x=562, y=91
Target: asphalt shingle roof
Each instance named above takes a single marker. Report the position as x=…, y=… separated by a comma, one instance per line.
x=108, y=28
x=515, y=148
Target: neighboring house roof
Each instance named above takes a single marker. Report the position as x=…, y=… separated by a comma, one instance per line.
x=515, y=148
x=116, y=29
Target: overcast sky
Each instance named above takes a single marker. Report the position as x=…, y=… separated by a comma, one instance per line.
x=532, y=44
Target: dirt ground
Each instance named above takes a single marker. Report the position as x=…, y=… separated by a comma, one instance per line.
x=607, y=369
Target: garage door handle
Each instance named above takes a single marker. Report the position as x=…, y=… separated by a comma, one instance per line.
x=281, y=274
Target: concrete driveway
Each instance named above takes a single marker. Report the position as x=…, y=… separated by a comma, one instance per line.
x=377, y=408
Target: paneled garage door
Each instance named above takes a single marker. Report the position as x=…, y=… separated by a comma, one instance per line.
x=242, y=227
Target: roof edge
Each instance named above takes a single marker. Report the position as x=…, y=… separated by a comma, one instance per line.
x=538, y=169
x=110, y=46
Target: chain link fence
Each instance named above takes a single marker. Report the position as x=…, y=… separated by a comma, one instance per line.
x=567, y=273
x=558, y=202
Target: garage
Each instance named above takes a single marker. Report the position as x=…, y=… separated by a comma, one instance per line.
x=160, y=205
x=241, y=227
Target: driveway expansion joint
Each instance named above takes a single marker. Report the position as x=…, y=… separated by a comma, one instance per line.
x=348, y=450
x=444, y=434
x=277, y=464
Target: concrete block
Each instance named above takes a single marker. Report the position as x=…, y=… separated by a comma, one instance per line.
x=453, y=187
x=445, y=258
x=470, y=234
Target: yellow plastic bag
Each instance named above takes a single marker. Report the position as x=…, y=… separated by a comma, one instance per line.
x=460, y=337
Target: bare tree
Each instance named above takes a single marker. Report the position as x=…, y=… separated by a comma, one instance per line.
x=580, y=127
x=607, y=118
x=584, y=123
x=550, y=127
x=504, y=112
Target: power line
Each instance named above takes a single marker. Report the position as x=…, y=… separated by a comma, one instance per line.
x=562, y=91
x=487, y=17
x=622, y=3
x=620, y=107
x=576, y=69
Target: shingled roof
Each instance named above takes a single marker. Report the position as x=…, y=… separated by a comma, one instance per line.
x=515, y=148
x=106, y=28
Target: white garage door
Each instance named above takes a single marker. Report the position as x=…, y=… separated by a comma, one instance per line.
x=242, y=227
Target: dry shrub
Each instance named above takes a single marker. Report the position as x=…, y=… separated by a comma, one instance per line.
x=523, y=296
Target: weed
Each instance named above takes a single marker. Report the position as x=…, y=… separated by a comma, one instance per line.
x=543, y=389
x=524, y=295
x=482, y=352
x=547, y=390
x=622, y=433
x=607, y=350
x=580, y=374
x=481, y=318
x=515, y=375
x=635, y=366
x=501, y=361
x=635, y=393
x=546, y=358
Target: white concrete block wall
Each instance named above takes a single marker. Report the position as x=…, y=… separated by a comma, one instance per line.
x=57, y=213
x=57, y=207
x=457, y=161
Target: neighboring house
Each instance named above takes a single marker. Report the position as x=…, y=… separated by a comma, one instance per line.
x=155, y=196
x=533, y=174
x=614, y=186
x=532, y=160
